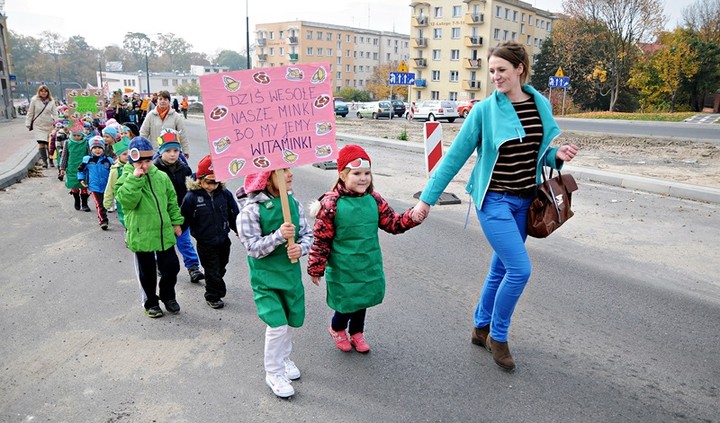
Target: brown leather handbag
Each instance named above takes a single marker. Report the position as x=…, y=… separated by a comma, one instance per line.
x=551, y=207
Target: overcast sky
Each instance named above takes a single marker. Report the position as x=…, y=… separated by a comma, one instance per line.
x=212, y=25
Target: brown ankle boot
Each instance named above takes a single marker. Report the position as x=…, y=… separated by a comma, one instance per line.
x=478, y=336
x=501, y=353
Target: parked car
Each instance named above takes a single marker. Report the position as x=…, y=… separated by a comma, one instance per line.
x=435, y=110
x=398, y=108
x=376, y=110
x=464, y=107
x=341, y=108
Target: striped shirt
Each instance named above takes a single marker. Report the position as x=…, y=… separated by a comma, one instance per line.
x=514, y=171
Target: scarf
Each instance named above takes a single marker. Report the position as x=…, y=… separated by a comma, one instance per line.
x=163, y=113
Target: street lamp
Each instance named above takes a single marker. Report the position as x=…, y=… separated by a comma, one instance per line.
x=147, y=72
x=247, y=33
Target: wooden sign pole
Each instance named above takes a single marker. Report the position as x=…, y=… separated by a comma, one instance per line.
x=279, y=180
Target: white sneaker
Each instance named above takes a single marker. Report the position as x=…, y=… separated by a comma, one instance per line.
x=291, y=370
x=279, y=384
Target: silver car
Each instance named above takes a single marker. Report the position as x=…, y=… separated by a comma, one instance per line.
x=435, y=110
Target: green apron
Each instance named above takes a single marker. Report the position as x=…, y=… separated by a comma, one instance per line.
x=354, y=275
x=276, y=282
x=76, y=152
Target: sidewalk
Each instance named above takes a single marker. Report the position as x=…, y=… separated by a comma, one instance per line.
x=18, y=153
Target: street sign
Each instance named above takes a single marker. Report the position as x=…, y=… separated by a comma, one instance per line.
x=402, y=78
x=559, y=82
x=560, y=72
x=403, y=67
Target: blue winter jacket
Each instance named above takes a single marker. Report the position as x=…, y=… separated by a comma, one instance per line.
x=491, y=123
x=95, y=171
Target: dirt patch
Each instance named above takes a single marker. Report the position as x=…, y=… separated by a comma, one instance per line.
x=686, y=161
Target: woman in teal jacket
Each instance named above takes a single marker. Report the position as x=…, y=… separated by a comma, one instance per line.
x=511, y=132
x=152, y=219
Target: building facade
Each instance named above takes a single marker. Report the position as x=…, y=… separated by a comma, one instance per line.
x=7, y=81
x=450, y=40
x=353, y=53
x=137, y=82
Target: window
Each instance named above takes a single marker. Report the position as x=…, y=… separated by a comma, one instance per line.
x=522, y=28
x=387, y=57
x=339, y=76
x=339, y=60
x=455, y=33
x=375, y=56
x=347, y=53
x=529, y=40
x=435, y=95
x=272, y=51
x=165, y=83
x=320, y=51
x=437, y=12
x=435, y=75
x=457, y=10
x=309, y=35
x=548, y=26
x=362, y=68
x=437, y=33
x=436, y=55
x=454, y=76
x=514, y=15
x=529, y=19
x=339, y=45
x=272, y=35
x=496, y=34
x=498, y=11
x=282, y=34
x=523, y=17
x=319, y=35
x=347, y=68
x=347, y=38
x=507, y=14
x=309, y=51
x=362, y=40
x=354, y=69
x=454, y=54
x=330, y=51
x=329, y=36
x=514, y=36
x=282, y=51
x=505, y=35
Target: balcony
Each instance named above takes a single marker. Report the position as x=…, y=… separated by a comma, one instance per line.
x=419, y=21
x=471, y=85
x=421, y=83
x=262, y=57
x=292, y=40
x=420, y=62
x=293, y=57
x=473, y=63
x=261, y=42
x=419, y=42
x=473, y=41
x=474, y=18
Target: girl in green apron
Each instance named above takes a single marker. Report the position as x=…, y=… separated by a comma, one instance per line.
x=347, y=249
x=276, y=281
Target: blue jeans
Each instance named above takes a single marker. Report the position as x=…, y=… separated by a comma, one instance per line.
x=503, y=220
x=187, y=250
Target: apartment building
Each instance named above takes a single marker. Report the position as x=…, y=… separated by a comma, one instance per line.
x=450, y=40
x=353, y=53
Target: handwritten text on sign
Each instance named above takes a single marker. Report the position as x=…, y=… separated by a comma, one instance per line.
x=265, y=119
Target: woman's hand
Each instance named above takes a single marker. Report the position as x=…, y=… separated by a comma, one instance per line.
x=420, y=211
x=567, y=152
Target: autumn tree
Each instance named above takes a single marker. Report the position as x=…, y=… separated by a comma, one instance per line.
x=232, y=60
x=172, y=46
x=379, y=82
x=702, y=20
x=627, y=22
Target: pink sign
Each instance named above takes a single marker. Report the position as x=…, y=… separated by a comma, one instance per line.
x=265, y=119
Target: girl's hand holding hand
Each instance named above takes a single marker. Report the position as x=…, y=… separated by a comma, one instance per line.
x=315, y=280
x=294, y=251
x=420, y=211
x=287, y=230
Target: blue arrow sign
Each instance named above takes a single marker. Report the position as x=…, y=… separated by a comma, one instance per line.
x=401, y=78
x=559, y=82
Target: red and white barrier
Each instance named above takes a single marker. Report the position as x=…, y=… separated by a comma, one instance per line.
x=433, y=145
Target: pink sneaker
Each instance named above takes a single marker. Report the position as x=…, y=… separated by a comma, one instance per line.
x=358, y=341
x=341, y=340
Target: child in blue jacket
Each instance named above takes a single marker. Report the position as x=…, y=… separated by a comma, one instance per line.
x=93, y=174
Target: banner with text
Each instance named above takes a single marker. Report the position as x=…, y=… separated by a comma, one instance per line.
x=265, y=119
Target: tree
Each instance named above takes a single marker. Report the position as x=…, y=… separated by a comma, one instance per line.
x=189, y=89
x=675, y=62
x=379, y=82
x=627, y=22
x=53, y=44
x=703, y=19
x=172, y=46
x=232, y=60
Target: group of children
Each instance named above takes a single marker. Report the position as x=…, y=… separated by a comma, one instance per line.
x=160, y=205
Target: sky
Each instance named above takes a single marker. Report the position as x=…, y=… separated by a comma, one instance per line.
x=214, y=25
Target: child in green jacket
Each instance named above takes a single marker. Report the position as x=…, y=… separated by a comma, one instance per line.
x=152, y=219
x=121, y=152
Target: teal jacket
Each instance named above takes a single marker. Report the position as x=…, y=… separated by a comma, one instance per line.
x=491, y=123
x=151, y=209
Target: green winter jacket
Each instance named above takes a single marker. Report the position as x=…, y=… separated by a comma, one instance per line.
x=151, y=209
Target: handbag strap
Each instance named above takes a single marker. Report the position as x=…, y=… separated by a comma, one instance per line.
x=38, y=115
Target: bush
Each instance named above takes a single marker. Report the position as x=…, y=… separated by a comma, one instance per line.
x=403, y=135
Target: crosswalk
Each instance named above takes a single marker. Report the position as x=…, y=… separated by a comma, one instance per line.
x=704, y=118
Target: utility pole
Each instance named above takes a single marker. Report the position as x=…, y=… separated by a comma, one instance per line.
x=247, y=33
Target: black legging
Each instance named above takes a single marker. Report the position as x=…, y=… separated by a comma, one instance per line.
x=356, y=319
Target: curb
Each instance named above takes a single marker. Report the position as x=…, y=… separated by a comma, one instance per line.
x=640, y=183
x=25, y=161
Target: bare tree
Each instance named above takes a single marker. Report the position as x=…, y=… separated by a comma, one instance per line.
x=628, y=21
x=703, y=18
